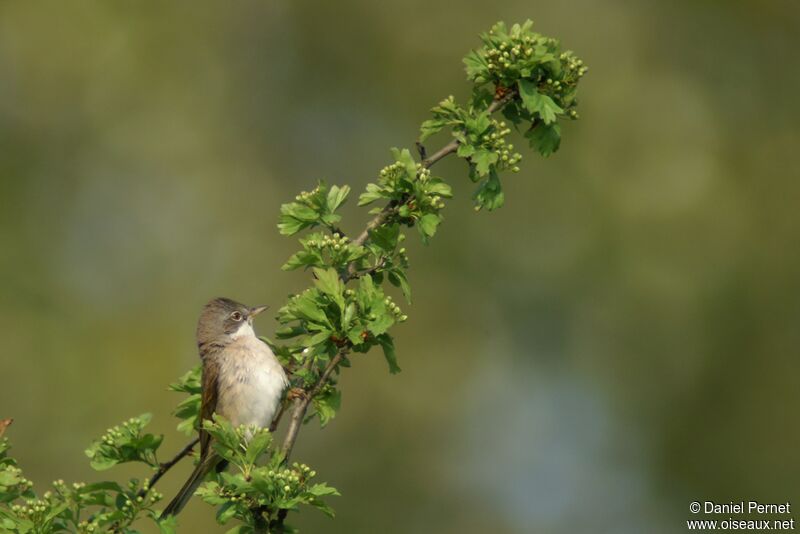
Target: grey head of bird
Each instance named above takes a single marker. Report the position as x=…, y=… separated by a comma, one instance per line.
x=223, y=320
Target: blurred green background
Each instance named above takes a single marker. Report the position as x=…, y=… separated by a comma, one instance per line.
x=620, y=339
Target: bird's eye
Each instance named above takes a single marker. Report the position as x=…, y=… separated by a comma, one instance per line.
x=236, y=316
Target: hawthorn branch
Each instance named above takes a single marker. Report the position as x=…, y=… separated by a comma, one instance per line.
x=452, y=146
x=427, y=163
x=301, y=403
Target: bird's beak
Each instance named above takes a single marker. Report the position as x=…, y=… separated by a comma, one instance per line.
x=255, y=310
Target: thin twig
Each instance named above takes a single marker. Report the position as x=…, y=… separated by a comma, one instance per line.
x=166, y=466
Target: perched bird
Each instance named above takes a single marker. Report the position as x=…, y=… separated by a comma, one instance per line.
x=242, y=380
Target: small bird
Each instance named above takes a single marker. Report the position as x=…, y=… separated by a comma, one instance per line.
x=242, y=380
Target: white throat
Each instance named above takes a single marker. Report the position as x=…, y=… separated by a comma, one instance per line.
x=245, y=331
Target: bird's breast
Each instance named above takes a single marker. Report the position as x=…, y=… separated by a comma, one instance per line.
x=250, y=383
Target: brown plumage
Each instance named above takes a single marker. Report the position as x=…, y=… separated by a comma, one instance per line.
x=242, y=380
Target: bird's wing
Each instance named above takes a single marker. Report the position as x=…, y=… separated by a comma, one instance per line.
x=208, y=402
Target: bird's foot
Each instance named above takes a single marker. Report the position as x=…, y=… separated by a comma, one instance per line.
x=296, y=393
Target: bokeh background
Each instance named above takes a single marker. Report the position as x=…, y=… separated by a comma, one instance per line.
x=620, y=339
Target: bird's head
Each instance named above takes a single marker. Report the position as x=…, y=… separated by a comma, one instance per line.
x=224, y=320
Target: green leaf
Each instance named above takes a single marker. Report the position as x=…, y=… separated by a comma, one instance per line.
x=477, y=125
x=382, y=322
x=8, y=478
x=387, y=343
x=546, y=138
x=398, y=279
x=168, y=525
x=483, y=160
x=428, y=223
x=465, y=150
x=489, y=193
x=257, y=446
x=438, y=187
x=226, y=512
x=372, y=194
x=404, y=156
x=476, y=66
x=386, y=236
x=481, y=98
x=189, y=382
x=328, y=281
x=327, y=404
x=538, y=103
x=303, y=258
x=431, y=127
x=308, y=309
x=295, y=217
x=337, y=196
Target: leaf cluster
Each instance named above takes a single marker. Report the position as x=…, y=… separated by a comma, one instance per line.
x=537, y=85
x=313, y=208
x=125, y=443
x=80, y=507
x=251, y=491
x=188, y=410
x=258, y=486
x=327, y=319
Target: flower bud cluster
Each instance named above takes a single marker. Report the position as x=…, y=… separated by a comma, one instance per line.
x=129, y=504
x=574, y=64
x=562, y=89
x=436, y=202
x=395, y=309
x=129, y=428
x=506, y=157
x=292, y=480
x=393, y=171
x=306, y=196
x=502, y=56
x=23, y=483
x=508, y=58
x=88, y=526
x=335, y=242
x=31, y=509
x=423, y=173
x=232, y=494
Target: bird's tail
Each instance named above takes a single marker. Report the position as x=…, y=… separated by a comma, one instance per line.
x=195, y=479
